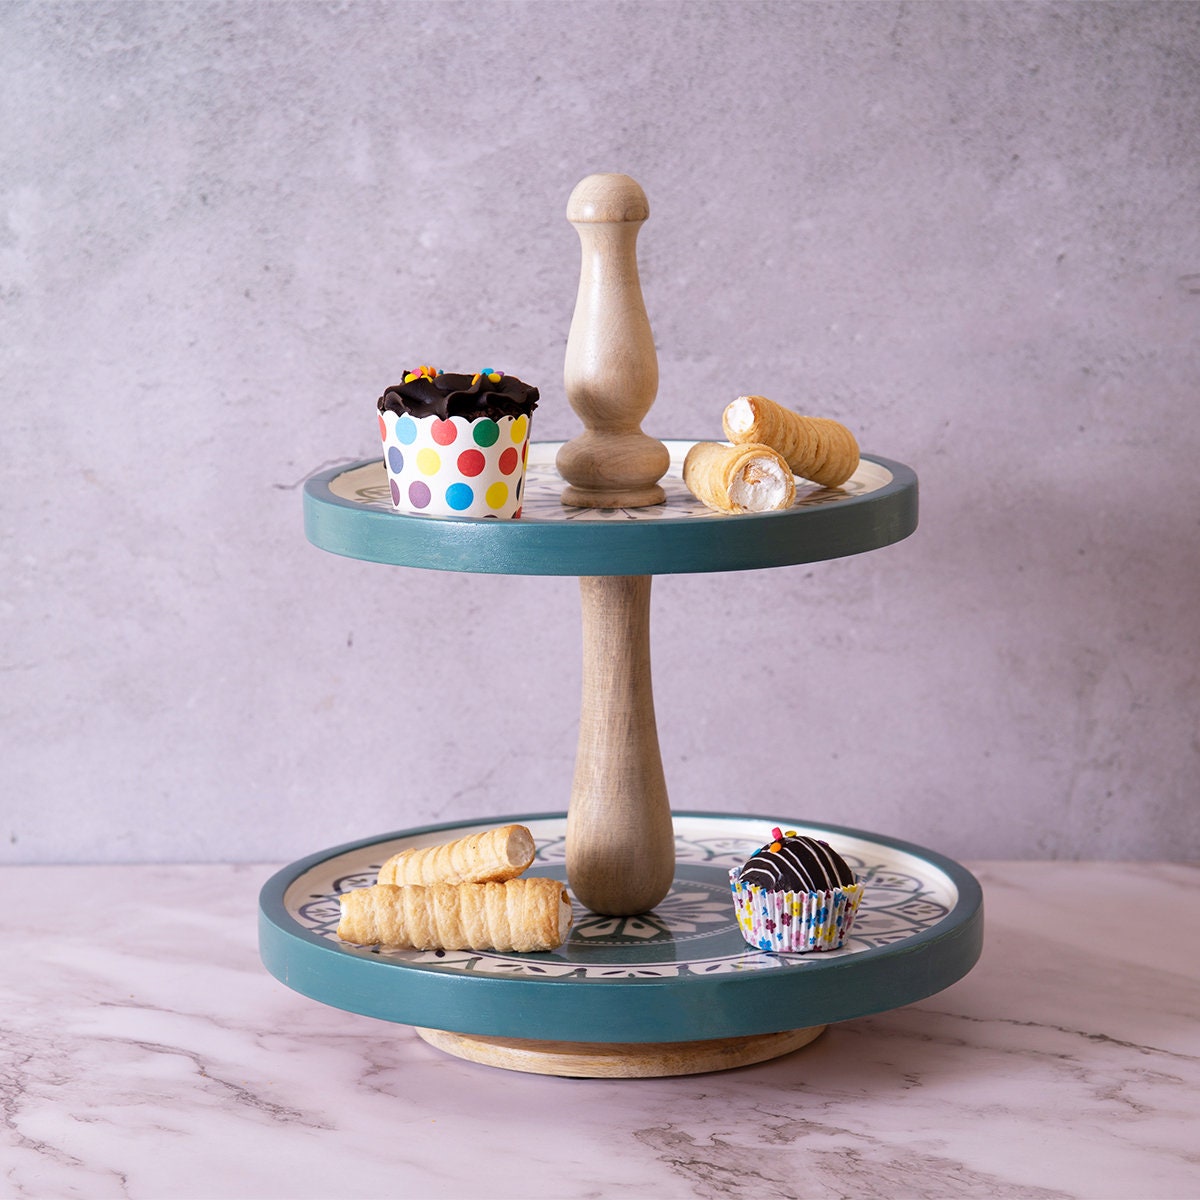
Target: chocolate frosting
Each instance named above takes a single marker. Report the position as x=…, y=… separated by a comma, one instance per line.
x=456, y=396
x=797, y=864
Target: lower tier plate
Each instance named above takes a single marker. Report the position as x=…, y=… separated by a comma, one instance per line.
x=679, y=973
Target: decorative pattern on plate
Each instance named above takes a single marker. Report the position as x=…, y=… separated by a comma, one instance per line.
x=543, y=490
x=688, y=911
x=692, y=932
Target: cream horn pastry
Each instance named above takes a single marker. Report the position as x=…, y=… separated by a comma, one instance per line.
x=739, y=479
x=815, y=448
x=518, y=914
x=489, y=857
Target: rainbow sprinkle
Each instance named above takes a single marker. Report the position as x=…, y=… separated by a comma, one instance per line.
x=421, y=372
x=492, y=376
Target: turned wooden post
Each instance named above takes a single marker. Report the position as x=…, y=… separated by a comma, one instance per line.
x=611, y=369
x=620, y=838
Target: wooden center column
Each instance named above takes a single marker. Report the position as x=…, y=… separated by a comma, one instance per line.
x=620, y=839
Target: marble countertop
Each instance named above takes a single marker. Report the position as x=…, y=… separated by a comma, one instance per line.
x=147, y=1053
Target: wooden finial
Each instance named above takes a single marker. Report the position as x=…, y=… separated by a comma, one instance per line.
x=611, y=370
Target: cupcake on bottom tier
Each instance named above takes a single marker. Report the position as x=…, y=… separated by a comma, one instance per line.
x=457, y=445
x=795, y=894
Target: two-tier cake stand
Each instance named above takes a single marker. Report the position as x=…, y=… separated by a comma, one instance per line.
x=655, y=978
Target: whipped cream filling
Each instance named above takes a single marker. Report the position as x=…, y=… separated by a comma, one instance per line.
x=739, y=415
x=760, y=485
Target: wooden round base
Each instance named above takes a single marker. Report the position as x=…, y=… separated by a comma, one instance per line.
x=620, y=1060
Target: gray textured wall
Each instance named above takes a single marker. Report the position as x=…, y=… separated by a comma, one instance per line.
x=968, y=231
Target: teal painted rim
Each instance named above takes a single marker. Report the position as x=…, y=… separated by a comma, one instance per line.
x=603, y=1004
x=831, y=526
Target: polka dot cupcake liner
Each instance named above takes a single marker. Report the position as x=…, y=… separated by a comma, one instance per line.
x=455, y=467
x=794, y=922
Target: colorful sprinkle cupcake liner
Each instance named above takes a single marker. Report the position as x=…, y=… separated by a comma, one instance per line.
x=792, y=922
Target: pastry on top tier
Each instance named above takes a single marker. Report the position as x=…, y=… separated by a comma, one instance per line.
x=795, y=894
x=456, y=445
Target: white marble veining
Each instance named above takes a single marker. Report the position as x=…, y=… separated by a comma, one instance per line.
x=146, y=1053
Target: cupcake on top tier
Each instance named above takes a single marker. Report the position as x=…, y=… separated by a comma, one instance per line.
x=457, y=444
x=795, y=894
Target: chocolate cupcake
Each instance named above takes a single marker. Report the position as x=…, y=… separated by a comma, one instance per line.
x=795, y=894
x=457, y=445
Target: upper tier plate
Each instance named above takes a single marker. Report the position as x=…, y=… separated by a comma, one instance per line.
x=347, y=510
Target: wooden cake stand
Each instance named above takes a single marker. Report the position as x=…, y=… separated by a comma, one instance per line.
x=610, y=507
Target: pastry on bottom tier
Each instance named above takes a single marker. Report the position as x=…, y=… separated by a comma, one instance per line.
x=795, y=894
x=456, y=445
x=488, y=857
x=519, y=914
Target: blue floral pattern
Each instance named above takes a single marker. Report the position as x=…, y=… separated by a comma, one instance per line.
x=543, y=490
x=693, y=931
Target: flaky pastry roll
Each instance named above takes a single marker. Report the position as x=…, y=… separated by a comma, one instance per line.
x=738, y=479
x=815, y=448
x=518, y=914
x=489, y=857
